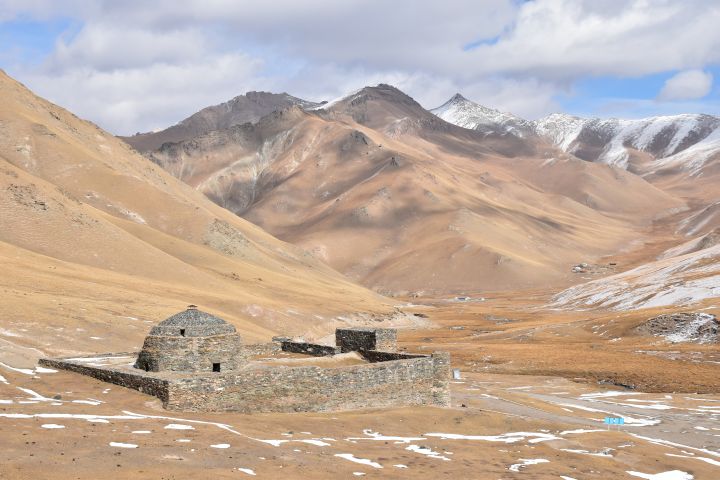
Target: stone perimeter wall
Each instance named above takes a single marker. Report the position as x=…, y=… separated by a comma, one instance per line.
x=314, y=349
x=422, y=380
x=374, y=356
x=392, y=379
x=138, y=381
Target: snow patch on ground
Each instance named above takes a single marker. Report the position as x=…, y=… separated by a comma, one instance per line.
x=702, y=459
x=384, y=438
x=609, y=393
x=525, y=462
x=317, y=443
x=426, y=451
x=580, y=430
x=668, y=443
x=602, y=453
x=122, y=445
x=512, y=437
x=363, y=461
x=178, y=426
x=669, y=475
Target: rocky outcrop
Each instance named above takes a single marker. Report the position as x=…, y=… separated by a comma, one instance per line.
x=682, y=327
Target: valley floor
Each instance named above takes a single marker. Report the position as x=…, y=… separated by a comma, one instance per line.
x=62, y=426
x=528, y=405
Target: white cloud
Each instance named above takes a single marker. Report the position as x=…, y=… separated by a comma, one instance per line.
x=107, y=46
x=565, y=39
x=688, y=85
x=146, y=98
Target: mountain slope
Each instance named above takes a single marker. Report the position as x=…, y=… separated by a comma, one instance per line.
x=242, y=109
x=91, y=234
x=402, y=201
x=674, y=281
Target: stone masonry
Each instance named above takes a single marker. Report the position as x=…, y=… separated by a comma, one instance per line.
x=357, y=339
x=191, y=341
x=194, y=361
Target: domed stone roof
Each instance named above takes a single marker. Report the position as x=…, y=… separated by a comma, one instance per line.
x=192, y=323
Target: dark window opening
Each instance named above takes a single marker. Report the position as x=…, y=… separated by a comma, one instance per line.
x=216, y=367
x=182, y=332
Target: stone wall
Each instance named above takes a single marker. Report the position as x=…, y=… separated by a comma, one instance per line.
x=140, y=381
x=257, y=349
x=190, y=354
x=356, y=339
x=314, y=349
x=414, y=381
x=374, y=356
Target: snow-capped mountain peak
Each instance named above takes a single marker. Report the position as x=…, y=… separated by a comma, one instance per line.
x=612, y=140
x=467, y=114
x=686, y=141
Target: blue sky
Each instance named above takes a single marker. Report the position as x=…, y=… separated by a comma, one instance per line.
x=135, y=66
x=634, y=97
x=26, y=41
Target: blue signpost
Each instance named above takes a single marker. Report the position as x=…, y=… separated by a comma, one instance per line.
x=614, y=421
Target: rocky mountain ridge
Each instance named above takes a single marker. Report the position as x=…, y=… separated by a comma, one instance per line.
x=249, y=107
x=687, y=142
x=402, y=201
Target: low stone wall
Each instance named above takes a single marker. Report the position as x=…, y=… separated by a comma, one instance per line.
x=374, y=356
x=414, y=381
x=139, y=381
x=309, y=348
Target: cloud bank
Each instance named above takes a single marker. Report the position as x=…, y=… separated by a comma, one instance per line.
x=138, y=65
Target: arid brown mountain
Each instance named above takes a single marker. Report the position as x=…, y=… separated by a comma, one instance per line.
x=95, y=237
x=405, y=202
x=242, y=109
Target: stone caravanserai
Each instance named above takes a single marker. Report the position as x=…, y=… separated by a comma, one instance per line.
x=194, y=361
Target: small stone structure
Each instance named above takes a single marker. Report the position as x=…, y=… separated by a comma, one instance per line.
x=355, y=339
x=194, y=361
x=191, y=341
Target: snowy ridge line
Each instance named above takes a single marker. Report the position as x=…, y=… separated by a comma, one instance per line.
x=685, y=141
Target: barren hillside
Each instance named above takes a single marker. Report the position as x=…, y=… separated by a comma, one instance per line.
x=96, y=240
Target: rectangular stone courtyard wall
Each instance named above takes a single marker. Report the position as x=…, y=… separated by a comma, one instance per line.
x=314, y=349
x=374, y=356
x=415, y=381
x=140, y=381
